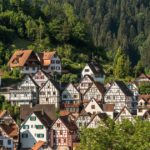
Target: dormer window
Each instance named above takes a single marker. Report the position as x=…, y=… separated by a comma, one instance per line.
x=87, y=70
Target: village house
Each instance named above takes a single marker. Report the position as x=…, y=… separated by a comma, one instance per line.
x=124, y=114
x=146, y=115
x=40, y=77
x=63, y=133
x=93, y=107
x=25, y=93
x=30, y=62
x=95, y=71
x=25, y=60
x=71, y=98
x=34, y=128
x=143, y=104
x=134, y=89
x=83, y=119
x=142, y=79
x=9, y=131
x=120, y=95
x=50, y=62
x=85, y=83
x=49, y=93
x=96, y=91
x=97, y=120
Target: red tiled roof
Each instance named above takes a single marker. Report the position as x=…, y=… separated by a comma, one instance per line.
x=11, y=130
x=45, y=57
x=145, y=97
x=38, y=145
x=19, y=58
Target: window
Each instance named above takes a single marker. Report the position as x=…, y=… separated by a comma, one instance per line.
x=87, y=70
x=27, y=68
x=42, y=93
x=9, y=142
x=24, y=135
x=54, y=93
x=75, y=96
x=39, y=126
x=64, y=140
x=57, y=61
x=40, y=135
x=65, y=96
x=33, y=68
x=59, y=140
x=52, y=61
x=52, y=68
x=60, y=132
x=32, y=118
x=92, y=106
x=58, y=125
x=47, y=99
x=1, y=142
x=49, y=93
x=140, y=110
x=25, y=126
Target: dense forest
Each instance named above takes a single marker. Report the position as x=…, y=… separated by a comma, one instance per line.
x=106, y=31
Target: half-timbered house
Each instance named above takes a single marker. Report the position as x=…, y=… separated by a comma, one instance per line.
x=25, y=93
x=124, y=114
x=120, y=95
x=96, y=91
x=85, y=83
x=49, y=93
x=93, y=107
x=63, y=133
x=143, y=104
x=40, y=77
x=83, y=119
x=142, y=79
x=71, y=98
x=9, y=131
x=97, y=120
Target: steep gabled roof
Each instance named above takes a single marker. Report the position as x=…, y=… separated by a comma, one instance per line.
x=45, y=57
x=142, y=75
x=122, y=110
x=55, y=84
x=49, y=109
x=19, y=58
x=99, y=86
x=124, y=88
x=102, y=116
x=145, y=97
x=42, y=116
x=38, y=145
x=96, y=69
x=12, y=130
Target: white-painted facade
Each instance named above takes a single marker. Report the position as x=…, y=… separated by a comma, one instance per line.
x=71, y=95
x=100, y=77
x=93, y=92
x=29, y=69
x=85, y=83
x=83, y=120
x=141, y=107
x=40, y=78
x=93, y=107
x=32, y=130
x=124, y=114
x=26, y=93
x=54, y=66
x=95, y=122
x=49, y=94
x=115, y=95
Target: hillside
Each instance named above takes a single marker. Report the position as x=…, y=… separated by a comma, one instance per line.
x=80, y=30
